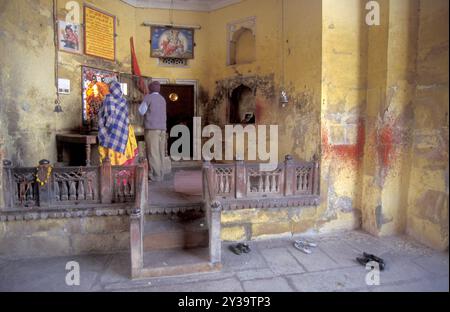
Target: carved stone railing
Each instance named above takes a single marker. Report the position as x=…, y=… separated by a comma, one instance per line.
x=62, y=187
x=124, y=184
x=243, y=185
x=75, y=185
x=264, y=183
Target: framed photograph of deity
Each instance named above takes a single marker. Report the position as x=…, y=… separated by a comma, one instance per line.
x=172, y=42
x=69, y=37
x=94, y=86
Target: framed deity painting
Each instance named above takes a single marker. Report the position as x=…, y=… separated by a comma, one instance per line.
x=95, y=86
x=172, y=42
x=69, y=37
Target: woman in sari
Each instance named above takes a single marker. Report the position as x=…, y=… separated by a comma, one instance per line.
x=116, y=136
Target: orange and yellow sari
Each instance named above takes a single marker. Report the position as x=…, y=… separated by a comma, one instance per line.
x=119, y=159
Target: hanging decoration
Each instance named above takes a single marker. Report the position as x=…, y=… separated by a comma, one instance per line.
x=43, y=173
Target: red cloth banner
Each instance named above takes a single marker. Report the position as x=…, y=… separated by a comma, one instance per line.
x=136, y=70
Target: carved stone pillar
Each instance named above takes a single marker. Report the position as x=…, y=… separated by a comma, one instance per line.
x=106, y=183
x=316, y=176
x=136, y=242
x=240, y=180
x=7, y=185
x=215, y=243
x=289, y=176
x=208, y=173
x=45, y=176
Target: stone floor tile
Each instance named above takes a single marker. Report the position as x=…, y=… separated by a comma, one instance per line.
x=436, y=263
x=277, y=284
x=255, y=274
x=281, y=261
x=316, y=261
x=440, y=284
x=342, y=253
x=331, y=280
x=223, y=285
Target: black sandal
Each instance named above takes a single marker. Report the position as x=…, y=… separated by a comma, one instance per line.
x=235, y=249
x=244, y=247
x=368, y=258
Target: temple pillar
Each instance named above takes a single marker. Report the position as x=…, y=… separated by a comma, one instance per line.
x=389, y=113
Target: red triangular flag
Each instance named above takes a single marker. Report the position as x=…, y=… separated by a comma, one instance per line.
x=136, y=70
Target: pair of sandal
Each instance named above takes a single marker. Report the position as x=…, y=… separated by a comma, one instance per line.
x=366, y=258
x=304, y=246
x=240, y=248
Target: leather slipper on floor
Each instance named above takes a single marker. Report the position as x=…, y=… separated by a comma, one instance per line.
x=306, y=243
x=235, y=249
x=244, y=247
x=302, y=248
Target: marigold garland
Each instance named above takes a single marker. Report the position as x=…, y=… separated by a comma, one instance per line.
x=49, y=171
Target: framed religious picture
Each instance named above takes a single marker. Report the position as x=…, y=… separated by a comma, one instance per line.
x=172, y=42
x=69, y=37
x=95, y=86
x=99, y=34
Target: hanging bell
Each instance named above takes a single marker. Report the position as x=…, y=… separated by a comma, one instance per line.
x=58, y=108
x=284, y=99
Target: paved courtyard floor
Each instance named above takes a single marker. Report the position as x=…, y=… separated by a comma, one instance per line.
x=272, y=265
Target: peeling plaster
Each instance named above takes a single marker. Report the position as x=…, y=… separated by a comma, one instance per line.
x=263, y=85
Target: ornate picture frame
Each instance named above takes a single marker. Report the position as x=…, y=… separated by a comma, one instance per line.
x=99, y=33
x=94, y=87
x=172, y=42
x=70, y=37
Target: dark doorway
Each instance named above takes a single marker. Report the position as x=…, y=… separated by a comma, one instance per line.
x=242, y=106
x=180, y=108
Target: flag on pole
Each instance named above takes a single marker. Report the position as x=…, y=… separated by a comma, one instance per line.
x=136, y=70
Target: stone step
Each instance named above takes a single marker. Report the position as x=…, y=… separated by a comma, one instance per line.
x=176, y=261
x=173, y=232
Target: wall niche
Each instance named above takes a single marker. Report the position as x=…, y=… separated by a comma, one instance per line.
x=242, y=105
x=241, y=41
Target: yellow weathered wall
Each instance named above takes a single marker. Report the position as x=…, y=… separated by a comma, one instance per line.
x=344, y=50
x=245, y=48
x=299, y=122
x=197, y=68
x=70, y=64
x=370, y=101
x=377, y=67
x=428, y=214
x=300, y=119
x=26, y=81
x=390, y=95
x=27, y=51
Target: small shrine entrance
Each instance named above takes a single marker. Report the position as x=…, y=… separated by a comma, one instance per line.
x=180, y=108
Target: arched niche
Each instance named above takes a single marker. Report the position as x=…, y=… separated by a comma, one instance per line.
x=241, y=41
x=242, y=105
x=242, y=47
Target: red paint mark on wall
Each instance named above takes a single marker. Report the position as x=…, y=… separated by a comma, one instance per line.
x=385, y=145
x=258, y=109
x=346, y=152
